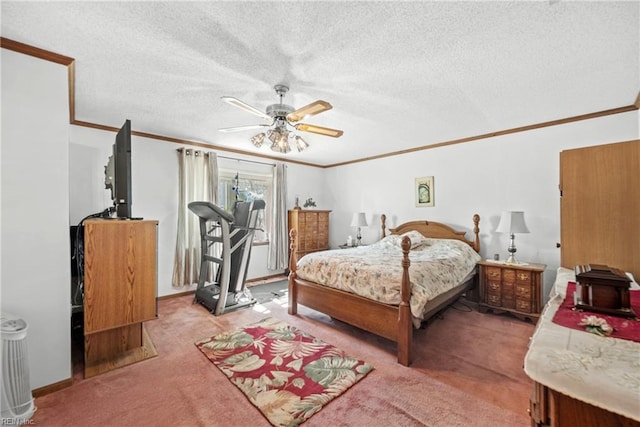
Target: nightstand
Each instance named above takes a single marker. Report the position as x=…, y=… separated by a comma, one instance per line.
x=511, y=288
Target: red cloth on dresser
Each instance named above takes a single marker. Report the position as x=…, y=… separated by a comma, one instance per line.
x=623, y=328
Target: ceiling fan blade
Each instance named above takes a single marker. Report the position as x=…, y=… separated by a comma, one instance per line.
x=241, y=128
x=246, y=107
x=335, y=133
x=312, y=109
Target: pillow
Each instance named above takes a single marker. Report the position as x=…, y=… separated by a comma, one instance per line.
x=417, y=239
x=391, y=240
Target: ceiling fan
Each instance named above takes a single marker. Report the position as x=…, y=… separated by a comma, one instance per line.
x=283, y=119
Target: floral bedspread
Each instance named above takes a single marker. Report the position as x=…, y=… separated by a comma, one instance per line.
x=375, y=271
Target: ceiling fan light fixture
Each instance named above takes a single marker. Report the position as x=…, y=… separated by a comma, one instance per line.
x=283, y=142
x=282, y=146
x=258, y=139
x=283, y=118
x=279, y=140
x=301, y=144
x=273, y=135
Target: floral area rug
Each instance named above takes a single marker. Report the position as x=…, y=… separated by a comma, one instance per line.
x=286, y=373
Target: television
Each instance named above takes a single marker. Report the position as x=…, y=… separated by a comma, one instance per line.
x=117, y=173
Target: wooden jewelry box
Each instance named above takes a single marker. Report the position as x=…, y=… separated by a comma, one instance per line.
x=603, y=289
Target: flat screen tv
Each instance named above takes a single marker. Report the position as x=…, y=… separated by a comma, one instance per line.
x=117, y=173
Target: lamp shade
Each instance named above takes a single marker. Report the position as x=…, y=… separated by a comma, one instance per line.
x=359, y=220
x=512, y=222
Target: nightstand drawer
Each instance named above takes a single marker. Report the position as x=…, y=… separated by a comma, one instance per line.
x=493, y=300
x=508, y=275
x=493, y=273
x=508, y=301
x=494, y=288
x=523, y=291
x=523, y=277
x=523, y=306
x=507, y=289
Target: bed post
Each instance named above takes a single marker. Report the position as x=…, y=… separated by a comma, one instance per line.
x=405, y=325
x=383, y=219
x=476, y=230
x=293, y=297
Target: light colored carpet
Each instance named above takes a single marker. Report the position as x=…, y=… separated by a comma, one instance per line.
x=467, y=372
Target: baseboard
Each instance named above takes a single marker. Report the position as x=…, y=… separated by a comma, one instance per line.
x=176, y=295
x=259, y=280
x=48, y=389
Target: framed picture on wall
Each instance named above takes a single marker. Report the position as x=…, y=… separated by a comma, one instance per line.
x=424, y=191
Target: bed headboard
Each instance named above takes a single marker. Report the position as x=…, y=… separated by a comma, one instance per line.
x=437, y=230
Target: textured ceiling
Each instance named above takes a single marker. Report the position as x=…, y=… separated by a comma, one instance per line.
x=398, y=74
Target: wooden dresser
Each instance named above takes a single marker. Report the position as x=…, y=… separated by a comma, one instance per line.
x=120, y=288
x=515, y=289
x=313, y=230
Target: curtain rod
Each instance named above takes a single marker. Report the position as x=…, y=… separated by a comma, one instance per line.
x=248, y=161
x=231, y=158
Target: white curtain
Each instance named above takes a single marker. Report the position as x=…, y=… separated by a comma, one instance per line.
x=278, y=241
x=198, y=181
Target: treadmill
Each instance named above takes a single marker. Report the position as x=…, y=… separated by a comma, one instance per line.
x=232, y=233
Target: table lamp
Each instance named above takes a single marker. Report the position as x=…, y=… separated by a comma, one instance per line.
x=359, y=220
x=512, y=222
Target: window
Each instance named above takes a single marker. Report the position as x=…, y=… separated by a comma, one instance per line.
x=247, y=186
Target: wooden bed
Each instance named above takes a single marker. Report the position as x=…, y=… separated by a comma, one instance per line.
x=393, y=322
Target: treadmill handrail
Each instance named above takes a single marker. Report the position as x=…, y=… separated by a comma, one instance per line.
x=210, y=212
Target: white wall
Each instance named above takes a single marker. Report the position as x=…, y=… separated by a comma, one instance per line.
x=35, y=210
x=155, y=191
x=512, y=172
x=305, y=182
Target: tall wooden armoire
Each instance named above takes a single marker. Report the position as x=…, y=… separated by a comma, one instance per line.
x=600, y=206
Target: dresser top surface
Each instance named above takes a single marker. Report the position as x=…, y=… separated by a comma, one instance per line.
x=525, y=266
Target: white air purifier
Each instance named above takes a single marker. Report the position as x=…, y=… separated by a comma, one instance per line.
x=17, y=400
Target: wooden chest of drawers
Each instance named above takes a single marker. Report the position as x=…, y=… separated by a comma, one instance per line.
x=515, y=289
x=313, y=230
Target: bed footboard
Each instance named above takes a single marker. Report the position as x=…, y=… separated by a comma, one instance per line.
x=389, y=321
